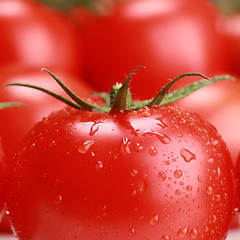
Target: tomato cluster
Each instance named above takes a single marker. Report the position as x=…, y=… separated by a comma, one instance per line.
x=115, y=166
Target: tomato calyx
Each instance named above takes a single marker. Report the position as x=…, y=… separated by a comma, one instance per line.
x=10, y=104
x=120, y=98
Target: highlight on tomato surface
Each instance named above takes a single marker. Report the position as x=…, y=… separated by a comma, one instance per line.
x=123, y=170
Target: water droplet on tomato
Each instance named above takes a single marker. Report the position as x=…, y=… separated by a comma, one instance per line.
x=162, y=137
x=85, y=146
x=210, y=160
x=94, y=128
x=58, y=199
x=199, y=178
x=183, y=232
x=178, y=173
x=153, y=151
x=194, y=233
x=131, y=232
x=138, y=147
x=215, y=142
x=134, y=173
x=165, y=237
x=154, y=219
x=178, y=192
x=146, y=112
x=161, y=176
x=187, y=155
x=209, y=190
x=218, y=172
x=189, y=188
x=125, y=146
x=160, y=122
x=99, y=165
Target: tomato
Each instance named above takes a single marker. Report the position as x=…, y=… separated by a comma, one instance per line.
x=15, y=122
x=238, y=177
x=168, y=37
x=2, y=178
x=230, y=25
x=154, y=173
x=219, y=104
x=34, y=35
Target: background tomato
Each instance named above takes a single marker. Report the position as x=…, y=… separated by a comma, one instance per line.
x=156, y=173
x=35, y=35
x=168, y=37
x=15, y=122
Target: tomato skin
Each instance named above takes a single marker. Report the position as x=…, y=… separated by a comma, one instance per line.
x=155, y=173
x=34, y=35
x=229, y=26
x=16, y=121
x=2, y=178
x=168, y=37
x=219, y=104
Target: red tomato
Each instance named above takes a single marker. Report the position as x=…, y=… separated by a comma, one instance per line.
x=238, y=178
x=219, y=104
x=2, y=178
x=230, y=27
x=15, y=122
x=154, y=173
x=168, y=37
x=34, y=35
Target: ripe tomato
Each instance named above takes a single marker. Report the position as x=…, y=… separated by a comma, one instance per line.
x=34, y=35
x=15, y=122
x=154, y=173
x=168, y=37
x=219, y=104
x=2, y=177
x=230, y=27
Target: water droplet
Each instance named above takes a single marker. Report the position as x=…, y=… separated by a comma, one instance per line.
x=134, y=173
x=165, y=237
x=214, y=219
x=215, y=142
x=138, y=147
x=125, y=146
x=167, y=162
x=183, y=232
x=178, y=173
x=218, y=197
x=194, y=233
x=178, y=192
x=85, y=146
x=154, y=219
x=131, y=232
x=210, y=160
x=134, y=192
x=153, y=151
x=199, y=178
x=99, y=165
x=160, y=122
x=162, y=137
x=189, y=188
x=58, y=199
x=209, y=190
x=187, y=155
x=94, y=128
x=146, y=112
x=218, y=172
x=161, y=176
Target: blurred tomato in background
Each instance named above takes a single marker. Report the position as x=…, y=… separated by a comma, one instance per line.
x=15, y=122
x=34, y=35
x=168, y=37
